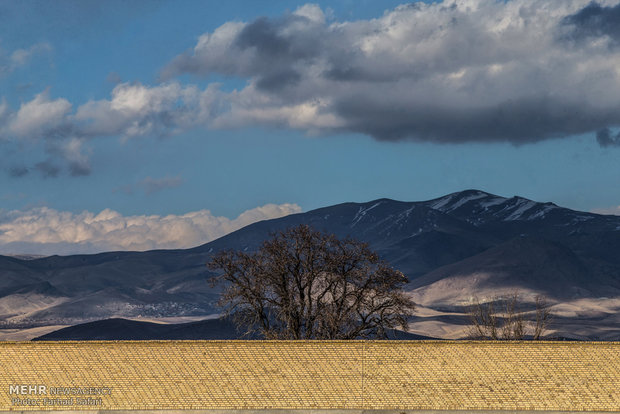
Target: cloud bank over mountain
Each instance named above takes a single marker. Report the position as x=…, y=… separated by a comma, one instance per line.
x=456, y=71
x=47, y=231
x=611, y=210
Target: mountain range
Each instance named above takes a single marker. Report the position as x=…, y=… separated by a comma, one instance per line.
x=455, y=248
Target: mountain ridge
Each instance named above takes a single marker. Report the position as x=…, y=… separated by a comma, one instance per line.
x=430, y=241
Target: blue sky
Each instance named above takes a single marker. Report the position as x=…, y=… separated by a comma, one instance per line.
x=162, y=109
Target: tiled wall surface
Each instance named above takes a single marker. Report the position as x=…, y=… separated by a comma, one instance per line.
x=407, y=375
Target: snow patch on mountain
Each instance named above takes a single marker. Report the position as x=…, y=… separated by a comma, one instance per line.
x=439, y=204
x=542, y=213
x=465, y=200
x=362, y=212
x=406, y=213
x=403, y=216
x=580, y=217
x=491, y=201
x=453, y=201
x=521, y=206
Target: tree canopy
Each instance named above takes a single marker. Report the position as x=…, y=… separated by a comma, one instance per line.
x=304, y=284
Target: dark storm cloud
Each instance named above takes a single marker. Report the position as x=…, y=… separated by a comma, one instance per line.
x=18, y=171
x=500, y=122
x=278, y=80
x=264, y=36
x=606, y=138
x=77, y=169
x=443, y=72
x=457, y=71
x=275, y=53
x=269, y=50
x=48, y=169
x=595, y=21
x=54, y=166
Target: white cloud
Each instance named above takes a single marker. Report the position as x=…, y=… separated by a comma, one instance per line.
x=73, y=152
x=48, y=231
x=213, y=49
x=135, y=110
x=456, y=71
x=610, y=210
x=21, y=57
x=312, y=12
x=132, y=110
x=452, y=71
x=251, y=107
x=39, y=116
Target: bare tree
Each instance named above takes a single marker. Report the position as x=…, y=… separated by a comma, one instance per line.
x=483, y=320
x=514, y=323
x=543, y=316
x=509, y=323
x=303, y=284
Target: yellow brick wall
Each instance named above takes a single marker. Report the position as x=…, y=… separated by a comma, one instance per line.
x=425, y=375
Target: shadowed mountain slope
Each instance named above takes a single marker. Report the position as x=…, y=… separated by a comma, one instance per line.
x=123, y=329
x=525, y=263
